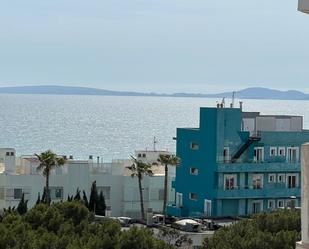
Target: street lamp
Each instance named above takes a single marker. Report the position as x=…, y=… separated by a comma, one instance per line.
x=303, y=6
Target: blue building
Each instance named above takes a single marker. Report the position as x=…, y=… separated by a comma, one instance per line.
x=238, y=163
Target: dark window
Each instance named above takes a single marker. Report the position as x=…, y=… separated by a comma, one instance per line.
x=194, y=146
x=18, y=192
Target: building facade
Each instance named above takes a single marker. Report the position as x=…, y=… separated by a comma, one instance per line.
x=19, y=175
x=238, y=163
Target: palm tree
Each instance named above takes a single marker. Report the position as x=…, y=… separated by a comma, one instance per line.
x=48, y=161
x=166, y=160
x=139, y=169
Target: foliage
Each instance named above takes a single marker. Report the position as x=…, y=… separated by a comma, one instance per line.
x=174, y=237
x=48, y=161
x=139, y=169
x=77, y=195
x=101, y=206
x=85, y=199
x=22, y=207
x=94, y=197
x=167, y=160
x=69, y=225
x=277, y=230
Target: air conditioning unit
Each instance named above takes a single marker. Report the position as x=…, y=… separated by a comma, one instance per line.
x=303, y=6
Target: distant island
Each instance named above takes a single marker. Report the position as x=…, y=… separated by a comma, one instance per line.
x=248, y=93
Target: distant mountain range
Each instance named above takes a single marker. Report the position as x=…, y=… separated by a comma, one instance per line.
x=248, y=93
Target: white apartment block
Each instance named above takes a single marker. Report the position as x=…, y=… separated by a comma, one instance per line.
x=19, y=175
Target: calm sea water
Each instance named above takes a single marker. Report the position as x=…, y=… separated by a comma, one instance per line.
x=106, y=126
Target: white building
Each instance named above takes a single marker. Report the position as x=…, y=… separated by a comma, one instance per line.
x=19, y=175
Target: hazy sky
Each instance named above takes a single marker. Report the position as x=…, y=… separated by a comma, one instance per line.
x=155, y=45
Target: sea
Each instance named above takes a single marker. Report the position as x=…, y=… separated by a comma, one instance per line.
x=111, y=127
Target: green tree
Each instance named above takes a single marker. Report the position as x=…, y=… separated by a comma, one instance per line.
x=22, y=207
x=85, y=199
x=77, y=195
x=167, y=160
x=276, y=230
x=94, y=197
x=48, y=161
x=139, y=169
x=101, y=206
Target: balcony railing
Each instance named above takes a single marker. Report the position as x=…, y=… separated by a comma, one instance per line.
x=266, y=166
x=251, y=192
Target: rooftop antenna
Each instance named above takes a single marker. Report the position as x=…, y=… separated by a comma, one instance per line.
x=223, y=102
x=233, y=99
x=154, y=143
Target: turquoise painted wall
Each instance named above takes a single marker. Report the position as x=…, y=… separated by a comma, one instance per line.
x=219, y=128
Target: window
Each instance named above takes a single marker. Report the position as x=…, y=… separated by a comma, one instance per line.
x=281, y=151
x=56, y=193
x=207, y=208
x=2, y=193
x=292, y=154
x=281, y=177
x=271, y=178
x=7, y=153
x=257, y=181
x=230, y=182
x=12, y=154
x=257, y=207
x=193, y=171
x=178, y=199
x=144, y=155
x=292, y=203
x=271, y=204
x=161, y=194
x=139, y=155
x=291, y=180
x=193, y=196
x=258, y=154
x=18, y=193
x=106, y=191
x=273, y=151
x=194, y=146
x=280, y=203
x=226, y=154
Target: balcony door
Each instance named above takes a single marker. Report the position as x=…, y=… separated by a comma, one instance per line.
x=257, y=207
x=258, y=154
x=292, y=155
x=292, y=181
x=178, y=199
x=207, y=208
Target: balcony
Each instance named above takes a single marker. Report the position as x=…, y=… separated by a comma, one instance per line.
x=258, y=167
x=243, y=193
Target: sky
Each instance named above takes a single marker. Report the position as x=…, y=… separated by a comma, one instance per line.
x=196, y=46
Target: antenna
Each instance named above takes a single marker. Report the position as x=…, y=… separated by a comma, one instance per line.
x=223, y=102
x=154, y=143
x=233, y=99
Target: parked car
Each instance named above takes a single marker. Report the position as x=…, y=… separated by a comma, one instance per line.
x=187, y=225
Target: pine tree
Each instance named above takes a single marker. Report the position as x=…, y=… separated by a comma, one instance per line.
x=101, y=206
x=77, y=195
x=43, y=200
x=85, y=199
x=38, y=201
x=94, y=198
x=22, y=207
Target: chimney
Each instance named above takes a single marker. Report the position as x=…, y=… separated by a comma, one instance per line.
x=240, y=105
